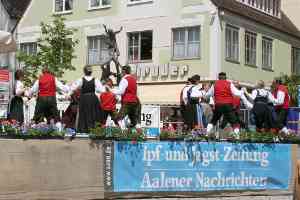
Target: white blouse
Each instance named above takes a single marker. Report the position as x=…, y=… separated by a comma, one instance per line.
x=78, y=84
x=19, y=88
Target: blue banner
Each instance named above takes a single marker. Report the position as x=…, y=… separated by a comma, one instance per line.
x=199, y=166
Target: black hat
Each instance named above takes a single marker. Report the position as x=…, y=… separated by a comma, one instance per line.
x=126, y=68
x=222, y=74
x=278, y=80
x=196, y=77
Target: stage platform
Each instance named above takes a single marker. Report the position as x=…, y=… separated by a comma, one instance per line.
x=87, y=169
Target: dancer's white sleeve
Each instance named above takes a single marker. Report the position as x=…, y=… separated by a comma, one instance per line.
x=61, y=86
x=210, y=92
x=76, y=85
x=196, y=92
x=235, y=91
x=280, y=98
x=98, y=86
x=122, y=87
x=34, y=89
x=246, y=102
x=19, y=88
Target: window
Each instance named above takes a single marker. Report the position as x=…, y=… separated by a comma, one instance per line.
x=98, y=52
x=140, y=46
x=186, y=42
x=29, y=48
x=99, y=3
x=138, y=1
x=63, y=5
x=250, y=48
x=296, y=61
x=271, y=7
x=232, y=43
x=267, y=49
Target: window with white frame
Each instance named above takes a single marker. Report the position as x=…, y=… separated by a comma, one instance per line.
x=232, y=43
x=140, y=46
x=267, y=50
x=271, y=7
x=250, y=48
x=138, y=1
x=296, y=61
x=186, y=42
x=29, y=48
x=63, y=5
x=99, y=3
x=98, y=52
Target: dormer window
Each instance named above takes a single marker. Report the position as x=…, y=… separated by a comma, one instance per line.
x=270, y=7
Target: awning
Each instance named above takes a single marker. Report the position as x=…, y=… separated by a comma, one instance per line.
x=167, y=95
x=7, y=42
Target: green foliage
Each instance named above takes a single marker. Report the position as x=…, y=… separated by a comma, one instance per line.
x=56, y=48
x=114, y=133
x=292, y=83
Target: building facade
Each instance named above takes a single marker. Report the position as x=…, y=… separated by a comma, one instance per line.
x=291, y=8
x=167, y=41
x=6, y=24
x=10, y=13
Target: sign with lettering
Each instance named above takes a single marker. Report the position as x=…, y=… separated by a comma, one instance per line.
x=164, y=70
x=199, y=166
x=150, y=120
x=4, y=92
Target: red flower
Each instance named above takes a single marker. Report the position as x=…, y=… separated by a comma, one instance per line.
x=133, y=142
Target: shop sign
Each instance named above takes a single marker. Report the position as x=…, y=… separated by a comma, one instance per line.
x=160, y=71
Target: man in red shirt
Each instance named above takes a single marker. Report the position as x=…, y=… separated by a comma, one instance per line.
x=108, y=102
x=129, y=100
x=282, y=96
x=236, y=103
x=223, y=92
x=46, y=106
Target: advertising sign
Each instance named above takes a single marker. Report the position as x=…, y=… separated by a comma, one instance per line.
x=197, y=166
x=150, y=120
x=4, y=92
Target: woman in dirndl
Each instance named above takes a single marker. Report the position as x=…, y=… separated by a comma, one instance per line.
x=16, y=110
x=89, y=112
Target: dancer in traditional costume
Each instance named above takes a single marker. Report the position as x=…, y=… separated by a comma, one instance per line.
x=223, y=92
x=130, y=103
x=261, y=109
x=236, y=103
x=193, y=107
x=108, y=103
x=89, y=106
x=282, y=105
x=16, y=110
x=69, y=117
x=46, y=105
x=183, y=103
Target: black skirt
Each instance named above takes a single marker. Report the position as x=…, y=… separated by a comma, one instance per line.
x=16, y=111
x=89, y=112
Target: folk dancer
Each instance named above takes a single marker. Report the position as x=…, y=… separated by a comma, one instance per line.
x=130, y=105
x=282, y=106
x=223, y=92
x=108, y=102
x=183, y=103
x=236, y=103
x=193, y=107
x=261, y=109
x=46, y=104
x=89, y=105
x=16, y=110
x=69, y=117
